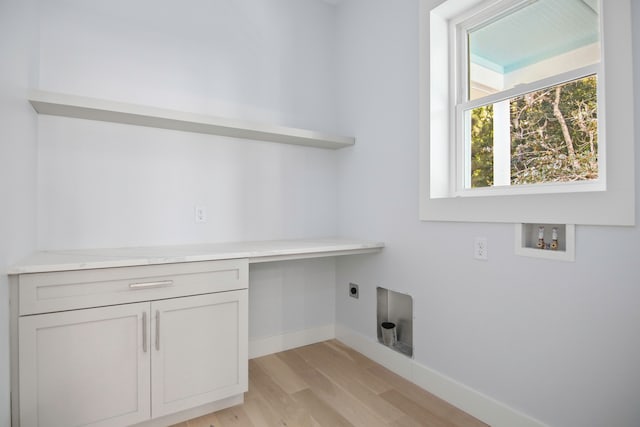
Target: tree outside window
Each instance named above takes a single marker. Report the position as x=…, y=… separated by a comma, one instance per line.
x=553, y=136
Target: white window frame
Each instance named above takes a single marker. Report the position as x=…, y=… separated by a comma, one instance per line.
x=609, y=202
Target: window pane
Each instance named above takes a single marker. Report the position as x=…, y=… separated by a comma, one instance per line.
x=535, y=40
x=551, y=136
x=482, y=146
x=554, y=134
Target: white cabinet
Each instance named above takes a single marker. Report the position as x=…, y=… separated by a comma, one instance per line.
x=85, y=325
x=84, y=367
x=199, y=353
x=168, y=349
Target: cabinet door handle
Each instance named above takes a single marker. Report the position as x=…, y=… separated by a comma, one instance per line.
x=144, y=331
x=158, y=330
x=147, y=285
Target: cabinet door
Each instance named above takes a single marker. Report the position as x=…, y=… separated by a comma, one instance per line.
x=85, y=367
x=199, y=350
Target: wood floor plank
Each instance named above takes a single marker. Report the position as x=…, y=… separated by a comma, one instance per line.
x=232, y=417
x=320, y=411
x=259, y=411
x=328, y=390
x=347, y=378
x=295, y=361
x=414, y=410
x=308, y=373
x=289, y=411
x=428, y=401
x=281, y=373
x=331, y=357
x=399, y=383
x=261, y=415
x=406, y=421
x=341, y=401
x=358, y=358
x=331, y=385
x=352, y=410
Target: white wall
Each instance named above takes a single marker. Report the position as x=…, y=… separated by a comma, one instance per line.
x=287, y=297
x=106, y=185
x=18, y=50
x=245, y=58
x=557, y=341
x=111, y=185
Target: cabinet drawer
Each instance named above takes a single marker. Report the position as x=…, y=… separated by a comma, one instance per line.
x=68, y=290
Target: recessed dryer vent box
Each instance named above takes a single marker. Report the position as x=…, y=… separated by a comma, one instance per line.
x=396, y=308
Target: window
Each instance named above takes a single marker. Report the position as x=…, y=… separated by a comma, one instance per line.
x=526, y=96
x=549, y=135
x=522, y=100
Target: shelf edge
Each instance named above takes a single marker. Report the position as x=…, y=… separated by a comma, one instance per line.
x=309, y=255
x=74, y=106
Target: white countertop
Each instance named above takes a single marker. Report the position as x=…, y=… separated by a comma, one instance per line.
x=260, y=251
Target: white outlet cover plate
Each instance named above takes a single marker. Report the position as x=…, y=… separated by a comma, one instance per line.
x=200, y=214
x=480, y=250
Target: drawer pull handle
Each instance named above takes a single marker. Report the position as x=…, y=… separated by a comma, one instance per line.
x=158, y=330
x=144, y=331
x=147, y=285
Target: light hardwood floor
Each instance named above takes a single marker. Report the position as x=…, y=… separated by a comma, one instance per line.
x=329, y=384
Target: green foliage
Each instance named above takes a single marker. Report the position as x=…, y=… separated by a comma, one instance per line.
x=540, y=150
x=554, y=136
x=482, y=146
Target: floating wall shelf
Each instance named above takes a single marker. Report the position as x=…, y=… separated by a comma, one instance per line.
x=58, y=104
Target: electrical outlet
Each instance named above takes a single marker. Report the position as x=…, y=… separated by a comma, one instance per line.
x=201, y=214
x=480, y=249
x=353, y=291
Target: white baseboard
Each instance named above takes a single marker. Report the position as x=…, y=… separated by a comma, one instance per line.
x=269, y=345
x=483, y=407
